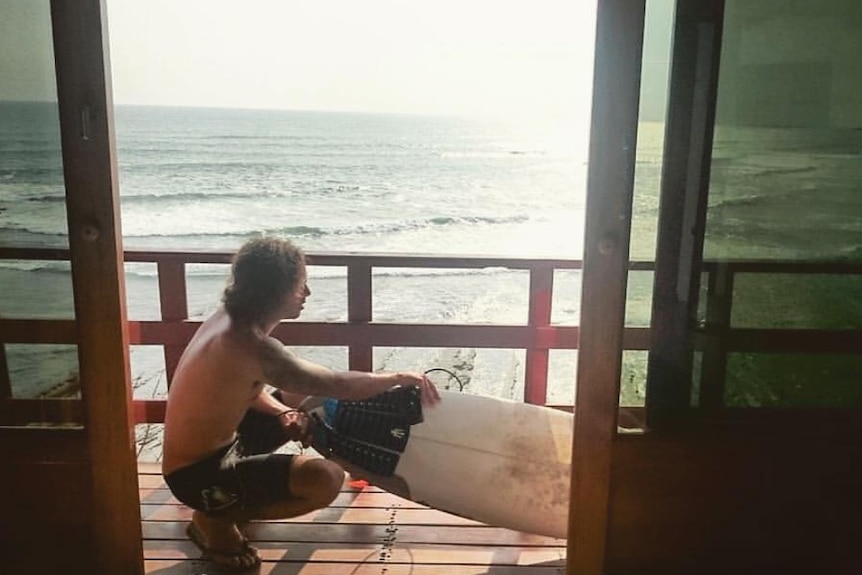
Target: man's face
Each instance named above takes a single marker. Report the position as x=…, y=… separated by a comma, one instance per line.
x=295, y=300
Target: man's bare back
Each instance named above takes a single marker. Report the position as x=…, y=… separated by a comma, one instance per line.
x=216, y=382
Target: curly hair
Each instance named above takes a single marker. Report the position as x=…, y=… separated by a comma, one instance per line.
x=263, y=271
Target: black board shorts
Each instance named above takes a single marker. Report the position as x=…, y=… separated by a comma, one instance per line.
x=244, y=475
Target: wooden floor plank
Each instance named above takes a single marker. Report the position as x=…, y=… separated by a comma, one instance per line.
x=390, y=552
x=186, y=567
x=380, y=499
x=413, y=516
x=365, y=531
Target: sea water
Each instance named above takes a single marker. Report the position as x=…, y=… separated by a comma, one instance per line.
x=206, y=179
x=201, y=179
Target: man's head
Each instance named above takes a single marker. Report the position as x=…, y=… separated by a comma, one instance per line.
x=265, y=273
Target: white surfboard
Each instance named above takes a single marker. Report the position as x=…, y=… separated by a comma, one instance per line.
x=501, y=462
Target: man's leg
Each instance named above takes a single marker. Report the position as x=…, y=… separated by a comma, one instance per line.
x=313, y=483
x=276, y=486
x=221, y=541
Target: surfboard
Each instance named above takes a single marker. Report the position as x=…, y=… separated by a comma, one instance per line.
x=496, y=461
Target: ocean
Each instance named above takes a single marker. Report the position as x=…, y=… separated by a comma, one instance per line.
x=212, y=178
x=202, y=179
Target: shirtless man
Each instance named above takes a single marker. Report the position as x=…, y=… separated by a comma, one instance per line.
x=218, y=402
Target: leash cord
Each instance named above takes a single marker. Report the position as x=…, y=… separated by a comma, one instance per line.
x=451, y=374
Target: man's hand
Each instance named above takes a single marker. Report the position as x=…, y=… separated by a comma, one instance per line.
x=428, y=391
x=297, y=425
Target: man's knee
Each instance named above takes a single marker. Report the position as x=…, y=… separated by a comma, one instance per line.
x=318, y=480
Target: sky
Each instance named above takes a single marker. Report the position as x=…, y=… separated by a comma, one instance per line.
x=520, y=59
x=468, y=57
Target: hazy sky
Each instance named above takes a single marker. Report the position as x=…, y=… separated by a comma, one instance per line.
x=509, y=57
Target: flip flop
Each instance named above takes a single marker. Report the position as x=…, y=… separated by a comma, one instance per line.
x=230, y=560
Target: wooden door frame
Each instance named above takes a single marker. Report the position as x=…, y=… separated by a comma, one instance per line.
x=95, y=240
x=610, y=186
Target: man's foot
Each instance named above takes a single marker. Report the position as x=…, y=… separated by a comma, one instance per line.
x=222, y=543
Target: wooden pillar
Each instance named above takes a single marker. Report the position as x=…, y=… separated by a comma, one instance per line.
x=95, y=242
x=610, y=183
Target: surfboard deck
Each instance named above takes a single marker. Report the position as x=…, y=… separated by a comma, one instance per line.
x=496, y=461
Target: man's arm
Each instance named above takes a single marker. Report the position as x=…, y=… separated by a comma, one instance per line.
x=266, y=403
x=298, y=376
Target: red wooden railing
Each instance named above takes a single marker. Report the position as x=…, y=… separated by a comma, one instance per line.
x=360, y=334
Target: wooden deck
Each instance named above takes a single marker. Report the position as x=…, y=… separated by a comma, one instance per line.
x=365, y=531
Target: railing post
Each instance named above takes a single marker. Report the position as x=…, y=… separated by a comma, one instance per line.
x=719, y=298
x=536, y=368
x=173, y=303
x=360, y=356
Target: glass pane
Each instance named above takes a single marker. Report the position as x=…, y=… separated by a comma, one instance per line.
x=797, y=301
x=33, y=215
x=785, y=186
x=786, y=154
x=655, y=71
x=781, y=380
x=649, y=161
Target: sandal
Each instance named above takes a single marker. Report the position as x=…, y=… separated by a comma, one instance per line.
x=232, y=560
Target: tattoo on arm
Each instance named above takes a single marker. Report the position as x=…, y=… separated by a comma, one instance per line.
x=292, y=374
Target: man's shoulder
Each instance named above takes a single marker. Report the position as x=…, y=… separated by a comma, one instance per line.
x=221, y=346
x=241, y=341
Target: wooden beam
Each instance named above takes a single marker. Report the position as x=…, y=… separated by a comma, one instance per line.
x=794, y=341
x=44, y=446
x=388, y=334
x=610, y=184
x=66, y=413
x=59, y=331
x=93, y=211
x=150, y=410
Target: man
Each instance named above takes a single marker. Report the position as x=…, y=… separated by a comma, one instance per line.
x=217, y=449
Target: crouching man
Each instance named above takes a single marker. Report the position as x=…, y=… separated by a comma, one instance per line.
x=222, y=426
